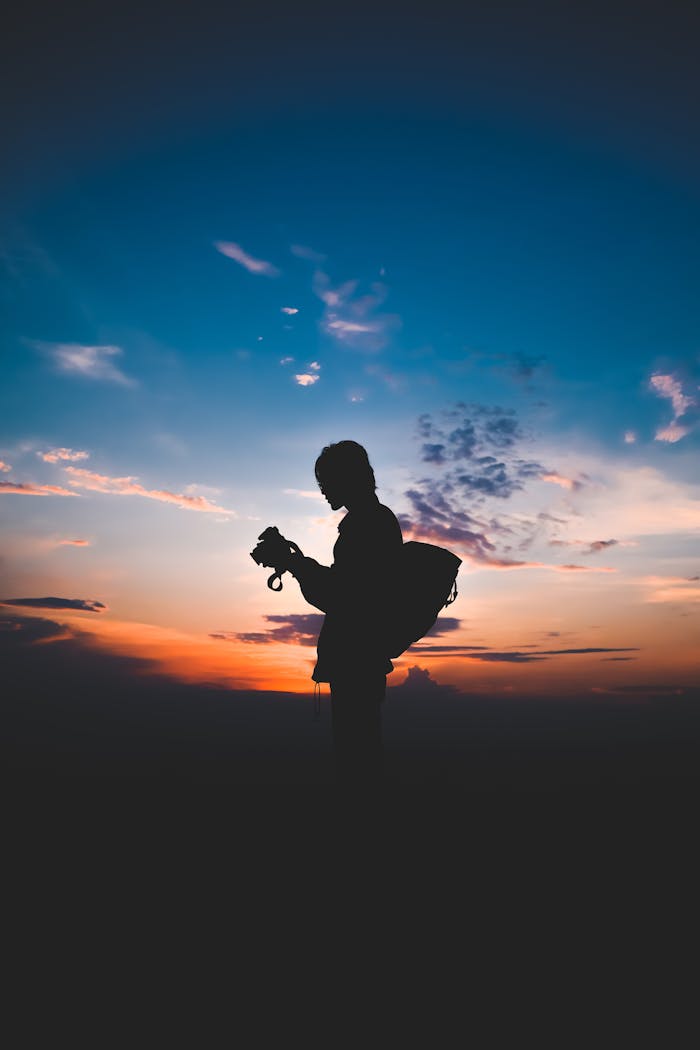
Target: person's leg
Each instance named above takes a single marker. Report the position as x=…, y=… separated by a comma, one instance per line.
x=356, y=719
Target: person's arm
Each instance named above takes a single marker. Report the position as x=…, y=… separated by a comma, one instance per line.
x=315, y=581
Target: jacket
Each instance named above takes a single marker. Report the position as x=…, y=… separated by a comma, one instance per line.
x=354, y=593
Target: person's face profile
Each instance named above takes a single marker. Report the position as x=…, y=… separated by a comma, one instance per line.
x=332, y=491
x=334, y=486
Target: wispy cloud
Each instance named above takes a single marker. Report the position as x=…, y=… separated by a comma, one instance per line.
x=571, y=484
x=510, y=656
x=671, y=433
x=582, y=568
x=304, y=493
x=355, y=320
x=129, y=486
x=302, y=251
x=82, y=604
x=295, y=628
x=307, y=378
x=30, y=489
x=664, y=589
x=54, y=455
x=670, y=387
x=630, y=437
x=592, y=546
x=286, y=360
x=5, y=468
x=291, y=310
x=73, y=543
x=90, y=362
x=257, y=266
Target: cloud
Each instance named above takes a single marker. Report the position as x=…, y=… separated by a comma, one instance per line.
x=294, y=629
x=664, y=589
x=73, y=543
x=290, y=310
x=82, y=604
x=286, y=360
x=419, y=679
x=252, y=265
x=128, y=486
x=486, y=655
x=91, y=362
x=482, y=441
x=354, y=320
x=592, y=547
x=5, y=468
x=302, y=251
x=315, y=366
x=304, y=493
x=600, y=545
x=630, y=437
x=670, y=387
x=29, y=489
x=671, y=433
x=525, y=365
x=475, y=456
x=443, y=625
x=306, y=379
x=558, y=479
x=56, y=454
x=582, y=568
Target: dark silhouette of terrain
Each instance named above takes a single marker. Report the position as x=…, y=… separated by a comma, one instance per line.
x=72, y=712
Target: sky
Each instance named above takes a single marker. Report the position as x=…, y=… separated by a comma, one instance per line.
x=468, y=241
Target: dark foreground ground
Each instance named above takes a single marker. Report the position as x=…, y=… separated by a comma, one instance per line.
x=157, y=807
x=100, y=729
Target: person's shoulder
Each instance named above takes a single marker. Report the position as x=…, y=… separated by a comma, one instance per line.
x=388, y=519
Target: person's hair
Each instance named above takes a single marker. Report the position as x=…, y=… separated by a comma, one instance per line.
x=350, y=461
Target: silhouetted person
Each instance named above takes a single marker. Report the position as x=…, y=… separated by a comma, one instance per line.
x=355, y=593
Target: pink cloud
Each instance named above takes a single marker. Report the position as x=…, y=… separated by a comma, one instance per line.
x=73, y=543
x=672, y=433
x=290, y=310
x=56, y=454
x=559, y=479
x=128, y=486
x=630, y=437
x=29, y=489
x=304, y=493
x=670, y=387
x=5, y=467
x=581, y=568
x=252, y=265
x=307, y=379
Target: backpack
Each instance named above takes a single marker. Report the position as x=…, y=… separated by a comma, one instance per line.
x=427, y=582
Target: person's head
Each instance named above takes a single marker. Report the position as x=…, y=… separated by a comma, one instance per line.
x=344, y=473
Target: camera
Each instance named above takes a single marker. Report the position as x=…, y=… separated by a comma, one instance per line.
x=273, y=551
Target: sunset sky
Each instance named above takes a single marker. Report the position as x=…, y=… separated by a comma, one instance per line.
x=470, y=243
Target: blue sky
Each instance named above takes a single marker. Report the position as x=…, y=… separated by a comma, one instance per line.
x=494, y=211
